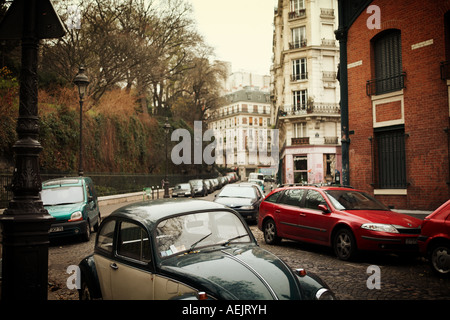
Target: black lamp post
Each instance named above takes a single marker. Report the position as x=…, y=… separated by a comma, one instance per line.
x=166, y=182
x=26, y=223
x=81, y=81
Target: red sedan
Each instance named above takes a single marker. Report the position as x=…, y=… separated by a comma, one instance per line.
x=344, y=218
x=434, y=241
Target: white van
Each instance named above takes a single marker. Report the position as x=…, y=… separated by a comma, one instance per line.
x=258, y=176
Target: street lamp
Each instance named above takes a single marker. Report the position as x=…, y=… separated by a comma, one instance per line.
x=81, y=81
x=25, y=223
x=166, y=182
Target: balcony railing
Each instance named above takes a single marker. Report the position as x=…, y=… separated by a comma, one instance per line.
x=385, y=85
x=317, y=108
x=445, y=70
x=299, y=141
x=297, y=44
x=297, y=14
x=331, y=140
x=328, y=43
x=326, y=13
x=299, y=76
x=329, y=75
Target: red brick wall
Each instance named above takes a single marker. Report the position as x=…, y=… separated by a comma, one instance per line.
x=426, y=105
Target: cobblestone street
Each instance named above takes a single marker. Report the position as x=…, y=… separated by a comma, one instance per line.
x=402, y=278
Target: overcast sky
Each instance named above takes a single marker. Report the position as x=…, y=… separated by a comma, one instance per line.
x=240, y=31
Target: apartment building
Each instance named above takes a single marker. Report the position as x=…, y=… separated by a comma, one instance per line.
x=242, y=125
x=305, y=91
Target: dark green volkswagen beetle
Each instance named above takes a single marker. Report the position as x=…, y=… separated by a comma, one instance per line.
x=187, y=249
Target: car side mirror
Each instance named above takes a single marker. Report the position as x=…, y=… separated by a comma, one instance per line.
x=323, y=208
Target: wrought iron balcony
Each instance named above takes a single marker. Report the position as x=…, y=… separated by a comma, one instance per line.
x=385, y=85
x=298, y=44
x=299, y=76
x=297, y=14
x=316, y=108
x=299, y=141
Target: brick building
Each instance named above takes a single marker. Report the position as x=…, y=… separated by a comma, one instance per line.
x=397, y=56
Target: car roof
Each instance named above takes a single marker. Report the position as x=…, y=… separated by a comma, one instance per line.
x=66, y=181
x=316, y=187
x=151, y=211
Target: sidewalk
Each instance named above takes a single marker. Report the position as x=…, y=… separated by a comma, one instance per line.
x=126, y=197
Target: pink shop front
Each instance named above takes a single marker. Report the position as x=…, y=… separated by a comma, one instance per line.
x=311, y=164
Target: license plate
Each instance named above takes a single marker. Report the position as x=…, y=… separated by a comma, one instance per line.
x=56, y=229
x=411, y=241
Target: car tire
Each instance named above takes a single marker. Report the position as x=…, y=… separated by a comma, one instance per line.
x=439, y=254
x=99, y=220
x=84, y=293
x=270, y=232
x=86, y=236
x=344, y=244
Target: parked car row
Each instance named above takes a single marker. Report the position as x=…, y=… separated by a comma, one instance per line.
x=202, y=187
x=350, y=221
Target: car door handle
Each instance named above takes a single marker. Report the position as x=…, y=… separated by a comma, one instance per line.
x=114, y=266
x=277, y=211
x=302, y=214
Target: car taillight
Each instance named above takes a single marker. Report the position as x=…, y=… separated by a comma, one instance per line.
x=202, y=295
x=300, y=272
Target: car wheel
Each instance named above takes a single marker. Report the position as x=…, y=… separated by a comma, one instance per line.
x=84, y=293
x=440, y=259
x=270, y=232
x=344, y=244
x=86, y=236
x=99, y=220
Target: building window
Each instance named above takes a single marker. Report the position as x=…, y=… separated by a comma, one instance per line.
x=297, y=9
x=298, y=38
x=391, y=159
x=299, y=69
x=300, y=98
x=296, y=5
x=300, y=130
x=387, y=62
x=300, y=169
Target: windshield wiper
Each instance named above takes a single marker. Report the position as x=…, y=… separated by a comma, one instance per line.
x=234, y=238
x=197, y=242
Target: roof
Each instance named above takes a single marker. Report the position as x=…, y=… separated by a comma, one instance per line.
x=64, y=181
x=248, y=95
x=149, y=212
x=324, y=187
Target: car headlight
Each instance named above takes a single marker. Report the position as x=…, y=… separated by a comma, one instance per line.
x=77, y=215
x=324, y=294
x=247, y=207
x=380, y=227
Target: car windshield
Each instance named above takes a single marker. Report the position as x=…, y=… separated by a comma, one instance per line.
x=188, y=233
x=238, y=192
x=183, y=186
x=197, y=182
x=353, y=200
x=62, y=195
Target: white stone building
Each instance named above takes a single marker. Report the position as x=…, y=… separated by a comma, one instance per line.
x=305, y=91
x=243, y=126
